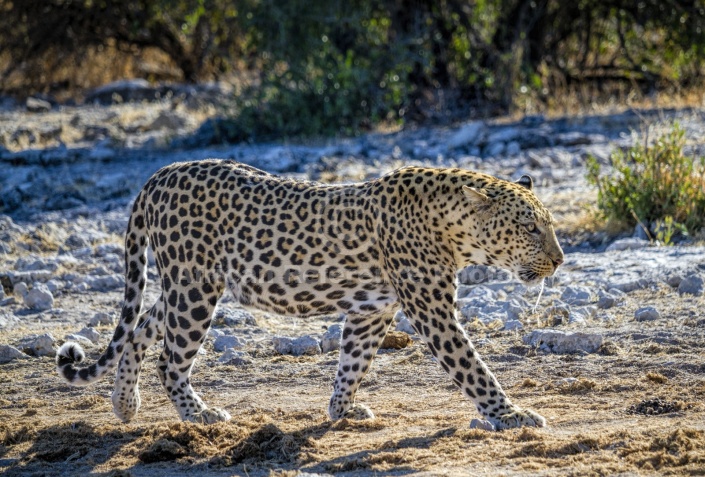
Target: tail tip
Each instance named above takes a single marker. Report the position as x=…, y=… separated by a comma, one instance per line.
x=69, y=353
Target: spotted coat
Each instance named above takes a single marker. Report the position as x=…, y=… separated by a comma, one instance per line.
x=304, y=249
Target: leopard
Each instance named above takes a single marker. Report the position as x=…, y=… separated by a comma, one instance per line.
x=301, y=248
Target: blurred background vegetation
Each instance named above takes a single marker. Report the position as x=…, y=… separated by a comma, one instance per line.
x=322, y=67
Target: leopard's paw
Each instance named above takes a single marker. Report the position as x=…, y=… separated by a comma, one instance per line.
x=358, y=412
x=519, y=418
x=126, y=405
x=210, y=416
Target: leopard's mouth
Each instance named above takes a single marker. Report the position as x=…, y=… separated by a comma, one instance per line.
x=531, y=276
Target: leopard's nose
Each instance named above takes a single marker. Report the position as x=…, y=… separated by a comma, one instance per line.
x=557, y=260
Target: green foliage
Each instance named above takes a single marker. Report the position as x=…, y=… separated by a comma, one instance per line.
x=654, y=184
x=338, y=67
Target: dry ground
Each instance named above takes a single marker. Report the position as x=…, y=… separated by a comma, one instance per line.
x=635, y=408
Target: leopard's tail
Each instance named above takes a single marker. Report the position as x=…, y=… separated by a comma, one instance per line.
x=70, y=354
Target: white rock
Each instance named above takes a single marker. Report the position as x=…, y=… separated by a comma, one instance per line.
x=403, y=323
x=105, y=282
x=582, y=314
x=82, y=252
x=691, y=285
x=647, y=313
x=109, y=248
x=42, y=345
x=81, y=287
x=330, y=341
x=223, y=342
x=101, y=319
x=482, y=424
x=576, y=295
x=30, y=276
x=468, y=134
x=630, y=243
x=36, y=105
x=9, y=353
x=81, y=340
x=563, y=342
x=39, y=298
x=232, y=356
x=91, y=334
x=55, y=285
x=305, y=345
x=21, y=289
x=512, y=325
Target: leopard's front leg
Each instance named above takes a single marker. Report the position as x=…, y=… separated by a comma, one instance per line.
x=432, y=311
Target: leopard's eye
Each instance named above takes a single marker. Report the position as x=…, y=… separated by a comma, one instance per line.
x=531, y=228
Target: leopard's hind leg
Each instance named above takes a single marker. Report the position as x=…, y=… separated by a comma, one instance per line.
x=126, y=395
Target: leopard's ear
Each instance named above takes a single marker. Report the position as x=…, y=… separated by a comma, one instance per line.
x=477, y=197
x=526, y=181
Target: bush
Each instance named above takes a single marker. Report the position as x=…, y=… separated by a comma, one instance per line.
x=655, y=184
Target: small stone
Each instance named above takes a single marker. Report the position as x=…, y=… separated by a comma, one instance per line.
x=403, y=324
x=606, y=300
x=305, y=345
x=81, y=340
x=575, y=295
x=36, y=105
x=55, y=285
x=512, y=325
x=82, y=252
x=39, y=298
x=647, y=313
x=109, y=248
x=223, y=342
x=81, y=287
x=674, y=280
x=91, y=334
x=563, y=342
x=2, y=293
x=691, y=285
x=21, y=289
x=42, y=345
x=467, y=135
x=582, y=314
x=330, y=341
x=396, y=340
x=76, y=241
x=629, y=285
x=9, y=353
x=235, y=357
x=233, y=317
x=101, y=319
x=630, y=243
x=105, y=282
x=482, y=424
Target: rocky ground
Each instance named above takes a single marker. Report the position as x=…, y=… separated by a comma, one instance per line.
x=610, y=352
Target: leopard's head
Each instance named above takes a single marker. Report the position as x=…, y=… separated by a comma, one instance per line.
x=510, y=228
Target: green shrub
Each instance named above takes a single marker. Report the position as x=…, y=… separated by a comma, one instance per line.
x=655, y=184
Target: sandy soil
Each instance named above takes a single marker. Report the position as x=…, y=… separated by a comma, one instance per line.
x=634, y=408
